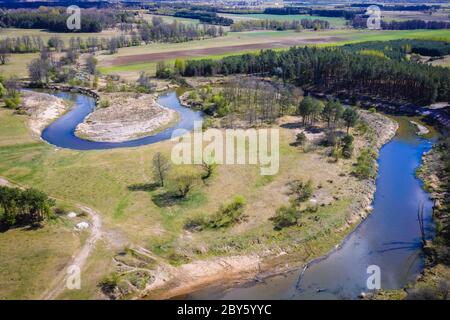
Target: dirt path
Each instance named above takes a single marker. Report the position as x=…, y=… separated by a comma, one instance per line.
x=58, y=284
x=169, y=55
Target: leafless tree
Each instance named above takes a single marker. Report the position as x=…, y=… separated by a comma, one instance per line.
x=160, y=167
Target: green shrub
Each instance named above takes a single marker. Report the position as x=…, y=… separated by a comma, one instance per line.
x=193, y=95
x=362, y=128
x=109, y=283
x=207, y=123
x=209, y=167
x=347, y=146
x=300, y=139
x=104, y=103
x=285, y=216
x=2, y=91
x=301, y=191
x=227, y=216
x=365, y=167
x=184, y=180
x=12, y=102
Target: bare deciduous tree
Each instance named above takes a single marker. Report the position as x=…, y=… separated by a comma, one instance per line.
x=160, y=167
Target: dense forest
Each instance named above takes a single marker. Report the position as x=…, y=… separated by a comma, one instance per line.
x=346, y=14
x=247, y=25
x=400, y=49
x=54, y=19
x=204, y=17
x=336, y=69
x=419, y=7
x=360, y=21
x=10, y=4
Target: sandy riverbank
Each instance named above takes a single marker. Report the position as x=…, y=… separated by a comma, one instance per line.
x=128, y=116
x=43, y=109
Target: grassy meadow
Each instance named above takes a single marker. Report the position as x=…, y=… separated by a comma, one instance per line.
x=118, y=184
x=334, y=22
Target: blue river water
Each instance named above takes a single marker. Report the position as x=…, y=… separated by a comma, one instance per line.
x=61, y=133
x=389, y=238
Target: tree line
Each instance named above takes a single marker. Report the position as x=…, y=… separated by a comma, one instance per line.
x=419, y=7
x=247, y=25
x=335, y=69
x=400, y=49
x=335, y=13
x=23, y=207
x=204, y=17
x=157, y=31
x=360, y=21
x=55, y=19
x=24, y=44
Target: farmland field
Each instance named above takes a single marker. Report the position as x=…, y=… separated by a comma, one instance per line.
x=169, y=19
x=334, y=22
x=417, y=15
x=128, y=61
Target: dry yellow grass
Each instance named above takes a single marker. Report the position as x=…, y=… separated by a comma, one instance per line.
x=29, y=259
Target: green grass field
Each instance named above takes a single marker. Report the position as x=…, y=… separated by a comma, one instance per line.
x=45, y=35
x=334, y=22
x=17, y=64
x=102, y=180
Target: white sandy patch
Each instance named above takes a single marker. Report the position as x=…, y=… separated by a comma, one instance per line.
x=311, y=136
x=128, y=117
x=422, y=130
x=173, y=281
x=43, y=109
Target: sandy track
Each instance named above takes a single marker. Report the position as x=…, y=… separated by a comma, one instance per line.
x=150, y=57
x=58, y=284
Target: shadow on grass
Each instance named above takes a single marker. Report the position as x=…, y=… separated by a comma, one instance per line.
x=24, y=226
x=171, y=198
x=168, y=198
x=292, y=125
x=144, y=186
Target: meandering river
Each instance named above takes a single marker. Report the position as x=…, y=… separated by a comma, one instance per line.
x=61, y=133
x=389, y=238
